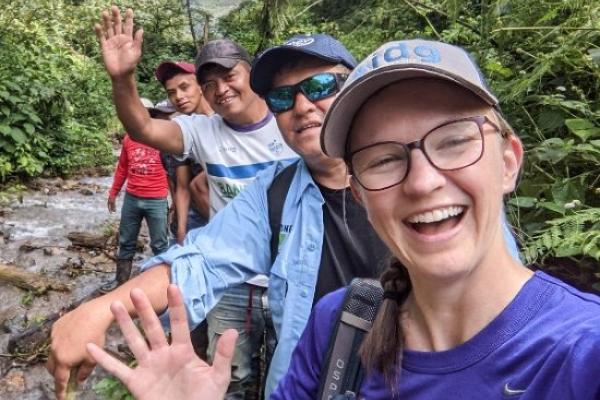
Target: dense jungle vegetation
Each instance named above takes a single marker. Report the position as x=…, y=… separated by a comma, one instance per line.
x=542, y=59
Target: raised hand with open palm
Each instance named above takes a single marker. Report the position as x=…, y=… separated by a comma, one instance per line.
x=121, y=47
x=167, y=371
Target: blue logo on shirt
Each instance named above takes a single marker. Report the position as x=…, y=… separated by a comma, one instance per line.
x=276, y=147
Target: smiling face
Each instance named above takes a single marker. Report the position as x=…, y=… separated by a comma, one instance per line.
x=184, y=92
x=228, y=90
x=440, y=224
x=301, y=126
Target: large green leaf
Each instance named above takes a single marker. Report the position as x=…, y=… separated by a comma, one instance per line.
x=29, y=128
x=548, y=205
x=582, y=128
x=18, y=135
x=567, y=190
x=551, y=150
x=550, y=120
x=523, y=201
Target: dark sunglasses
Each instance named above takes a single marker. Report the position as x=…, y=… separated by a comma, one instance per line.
x=316, y=87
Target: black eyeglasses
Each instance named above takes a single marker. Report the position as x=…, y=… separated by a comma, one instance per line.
x=453, y=145
x=316, y=87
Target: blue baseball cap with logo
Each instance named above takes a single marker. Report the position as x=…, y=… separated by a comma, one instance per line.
x=392, y=62
x=319, y=45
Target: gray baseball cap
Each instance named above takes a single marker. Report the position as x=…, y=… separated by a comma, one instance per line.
x=165, y=106
x=223, y=52
x=392, y=62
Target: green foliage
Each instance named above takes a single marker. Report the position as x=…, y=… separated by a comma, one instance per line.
x=27, y=299
x=55, y=97
x=542, y=59
x=53, y=100
x=112, y=389
x=166, y=37
x=577, y=234
x=10, y=192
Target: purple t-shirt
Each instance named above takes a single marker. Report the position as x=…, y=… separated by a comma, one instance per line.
x=544, y=345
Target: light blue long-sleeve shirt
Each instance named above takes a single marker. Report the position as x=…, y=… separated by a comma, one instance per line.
x=235, y=246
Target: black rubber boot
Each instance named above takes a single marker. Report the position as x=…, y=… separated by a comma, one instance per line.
x=123, y=271
x=122, y=275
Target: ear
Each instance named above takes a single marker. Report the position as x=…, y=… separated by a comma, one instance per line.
x=513, y=160
x=355, y=189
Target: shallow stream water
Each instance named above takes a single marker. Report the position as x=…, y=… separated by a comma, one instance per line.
x=43, y=218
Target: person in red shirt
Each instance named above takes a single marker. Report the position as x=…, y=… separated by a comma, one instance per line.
x=145, y=198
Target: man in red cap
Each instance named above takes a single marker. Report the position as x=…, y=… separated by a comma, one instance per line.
x=233, y=146
x=190, y=196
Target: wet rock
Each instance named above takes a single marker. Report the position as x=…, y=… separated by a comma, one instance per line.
x=74, y=263
x=33, y=244
x=53, y=251
x=56, y=181
x=30, y=245
x=5, y=364
x=6, y=315
x=15, y=324
x=13, y=382
x=6, y=232
x=70, y=184
x=101, y=259
x=87, y=192
x=36, y=184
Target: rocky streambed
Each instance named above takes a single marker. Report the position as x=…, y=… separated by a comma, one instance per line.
x=48, y=273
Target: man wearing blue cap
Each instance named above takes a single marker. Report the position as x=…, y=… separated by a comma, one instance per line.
x=232, y=146
x=324, y=238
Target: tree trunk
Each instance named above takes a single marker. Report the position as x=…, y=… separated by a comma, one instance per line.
x=188, y=6
x=36, y=283
x=88, y=240
x=206, y=29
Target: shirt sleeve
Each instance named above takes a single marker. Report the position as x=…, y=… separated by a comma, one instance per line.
x=578, y=376
x=121, y=171
x=189, y=124
x=233, y=247
x=303, y=377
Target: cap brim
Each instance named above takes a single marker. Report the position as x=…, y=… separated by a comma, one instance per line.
x=167, y=66
x=165, y=110
x=338, y=120
x=225, y=62
x=270, y=63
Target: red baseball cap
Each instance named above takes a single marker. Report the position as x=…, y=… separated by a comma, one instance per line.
x=166, y=67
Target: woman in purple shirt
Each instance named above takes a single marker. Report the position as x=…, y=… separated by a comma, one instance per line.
x=431, y=159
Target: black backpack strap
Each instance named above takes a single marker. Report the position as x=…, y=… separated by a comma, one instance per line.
x=342, y=372
x=276, y=195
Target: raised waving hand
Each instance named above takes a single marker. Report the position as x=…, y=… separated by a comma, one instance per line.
x=121, y=47
x=167, y=371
